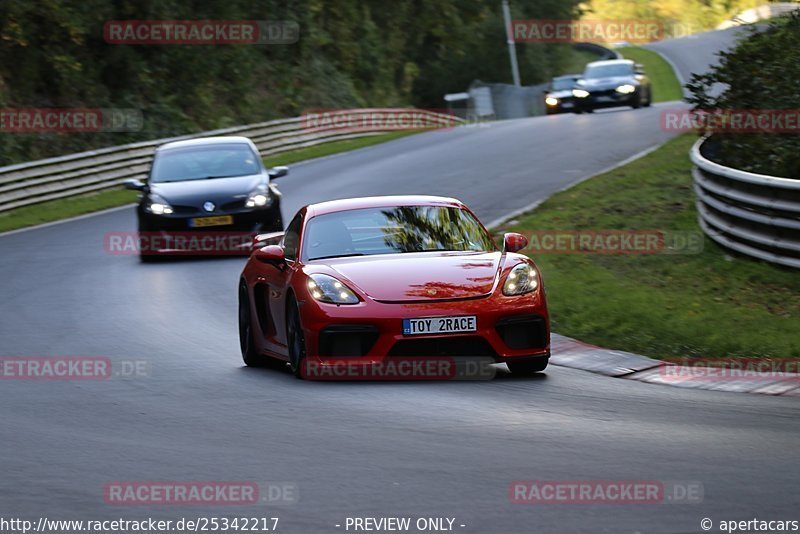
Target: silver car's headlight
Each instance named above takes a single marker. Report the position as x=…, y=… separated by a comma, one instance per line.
x=157, y=205
x=259, y=198
x=328, y=289
x=522, y=279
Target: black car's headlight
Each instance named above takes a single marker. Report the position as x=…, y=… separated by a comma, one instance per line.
x=626, y=89
x=522, y=279
x=580, y=93
x=260, y=198
x=328, y=289
x=157, y=205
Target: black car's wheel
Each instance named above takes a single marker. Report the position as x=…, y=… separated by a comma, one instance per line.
x=295, y=339
x=250, y=354
x=528, y=367
x=637, y=101
x=146, y=257
x=649, y=98
x=273, y=222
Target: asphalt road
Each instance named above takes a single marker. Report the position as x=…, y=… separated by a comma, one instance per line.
x=697, y=53
x=433, y=449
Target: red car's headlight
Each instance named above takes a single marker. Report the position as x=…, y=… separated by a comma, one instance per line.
x=522, y=279
x=328, y=289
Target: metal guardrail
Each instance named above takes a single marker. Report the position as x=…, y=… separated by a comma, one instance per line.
x=65, y=176
x=753, y=214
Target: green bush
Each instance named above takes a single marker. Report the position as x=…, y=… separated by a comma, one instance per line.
x=760, y=73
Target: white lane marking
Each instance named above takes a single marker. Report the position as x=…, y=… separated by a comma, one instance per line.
x=534, y=205
x=71, y=219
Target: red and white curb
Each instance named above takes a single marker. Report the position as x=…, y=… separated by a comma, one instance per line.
x=568, y=352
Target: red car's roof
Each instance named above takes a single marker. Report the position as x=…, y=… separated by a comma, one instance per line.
x=345, y=204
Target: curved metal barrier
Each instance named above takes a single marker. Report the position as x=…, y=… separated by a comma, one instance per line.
x=753, y=214
x=65, y=176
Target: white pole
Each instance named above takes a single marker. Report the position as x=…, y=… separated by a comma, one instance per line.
x=512, y=51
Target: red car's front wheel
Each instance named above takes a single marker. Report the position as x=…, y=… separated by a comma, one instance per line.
x=250, y=354
x=295, y=339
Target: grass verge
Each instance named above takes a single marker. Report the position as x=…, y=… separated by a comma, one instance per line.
x=55, y=210
x=665, y=84
x=669, y=306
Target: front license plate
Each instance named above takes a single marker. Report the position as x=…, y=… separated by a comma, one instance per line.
x=605, y=99
x=566, y=104
x=440, y=325
x=202, y=222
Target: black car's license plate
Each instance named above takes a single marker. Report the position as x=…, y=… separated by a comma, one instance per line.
x=203, y=222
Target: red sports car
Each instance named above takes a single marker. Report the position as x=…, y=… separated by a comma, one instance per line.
x=368, y=280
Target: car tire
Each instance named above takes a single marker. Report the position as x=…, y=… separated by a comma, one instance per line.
x=527, y=367
x=273, y=222
x=649, y=98
x=149, y=258
x=295, y=340
x=250, y=354
x=637, y=101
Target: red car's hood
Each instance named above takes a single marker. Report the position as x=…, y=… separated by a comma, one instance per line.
x=421, y=276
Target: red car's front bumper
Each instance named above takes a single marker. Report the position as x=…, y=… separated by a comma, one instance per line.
x=508, y=328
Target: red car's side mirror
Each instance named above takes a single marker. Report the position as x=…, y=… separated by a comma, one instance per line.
x=269, y=254
x=514, y=242
x=262, y=240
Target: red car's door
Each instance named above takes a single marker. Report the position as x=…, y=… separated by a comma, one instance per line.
x=279, y=280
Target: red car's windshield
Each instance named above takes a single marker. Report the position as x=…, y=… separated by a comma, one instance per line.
x=394, y=230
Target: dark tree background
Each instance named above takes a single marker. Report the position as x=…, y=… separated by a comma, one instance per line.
x=350, y=53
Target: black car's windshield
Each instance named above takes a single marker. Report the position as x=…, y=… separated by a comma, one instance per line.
x=608, y=71
x=561, y=84
x=394, y=230
x=203, y=162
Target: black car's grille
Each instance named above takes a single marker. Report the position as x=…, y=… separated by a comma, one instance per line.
x=185, y=210
x=523, y=332
x=235, y=205
x=443, y=346
x=347, y=340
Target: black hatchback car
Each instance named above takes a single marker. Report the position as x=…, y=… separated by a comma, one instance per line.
x=209, y=184
x=558, y=98
x=611, y=83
